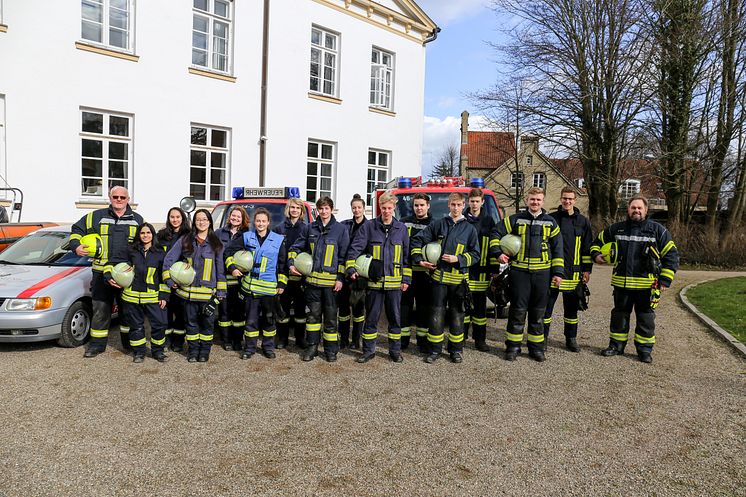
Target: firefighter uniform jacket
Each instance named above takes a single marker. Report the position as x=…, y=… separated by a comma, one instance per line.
x=148, y=286
x=226, y=237
x=291, y=232
x=208, y=266
x=328, y=246
x=414, y=226
x=166, y=238
x=456, y=238
x=576, y=241
x=353, y=227
x=116, y=234
x=270, y=258
x=541, y=242
x=388, y=246
x=479, y=274
x=634, y=241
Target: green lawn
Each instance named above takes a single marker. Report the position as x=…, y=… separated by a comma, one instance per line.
x=724, y=301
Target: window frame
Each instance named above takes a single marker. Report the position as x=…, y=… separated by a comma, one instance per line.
x=212, y=18
x=323, y=50
x=106, y=26
x=370, y=193
x=542, y=176
x=514, y=175
x=380, y=67
x=106, y=139
x=320, y=161
x=210, y=150
x=624, y=190
x=580, y=183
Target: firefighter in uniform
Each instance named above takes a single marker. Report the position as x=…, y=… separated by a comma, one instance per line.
x=386, y=240
x=417, y=297
x=231, y=314
x=576, y=242
x=177, y=225
x=116, y=225
x=539, y=259
x=327, y=241
x=292, y=297
x=460, y=250
x=260, y=286
x=147, y=295
x=203, y=250
x=352, y=295
x=645, y=263
x=479, y=274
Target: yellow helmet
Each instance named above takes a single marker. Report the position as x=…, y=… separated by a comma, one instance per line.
x=123, y=274
x=609, y=252
x=94, y=245
x=432, y=252
x=182, y=273
x=244, y=260
x=303, y=262
x=510, y=245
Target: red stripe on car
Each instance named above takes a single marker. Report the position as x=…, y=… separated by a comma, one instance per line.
x=45, y=283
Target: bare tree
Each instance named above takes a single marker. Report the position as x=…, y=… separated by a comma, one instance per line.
x=587, y=61
x=447, y=163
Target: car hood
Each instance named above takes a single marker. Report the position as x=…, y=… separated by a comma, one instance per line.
x=27, y=281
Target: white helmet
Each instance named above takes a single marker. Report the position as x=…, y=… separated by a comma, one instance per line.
x=510, y=245
x=182, y=273
x=123, y=274
x=304, y=263
x=244, y=260
x=432, y=252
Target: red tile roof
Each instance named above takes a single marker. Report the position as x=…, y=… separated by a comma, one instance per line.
x=488, y=149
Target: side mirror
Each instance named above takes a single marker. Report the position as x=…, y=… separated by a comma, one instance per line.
x=188, y=204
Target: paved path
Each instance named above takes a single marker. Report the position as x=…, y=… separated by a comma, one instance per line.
x=578, y=424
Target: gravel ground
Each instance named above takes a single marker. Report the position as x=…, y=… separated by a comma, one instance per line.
x=578, y=424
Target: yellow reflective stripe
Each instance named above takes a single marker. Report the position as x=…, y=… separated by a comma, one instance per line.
x=547, y=320
x=632, y=282
x=395, y=336
x=192, y=337
x=513, y=337
x=343, y=319
x=238, y=324
x=619, y=337
x=221, y=285
x=225, y=324
x=349, y=264
x=558, y=262
x=313, y=326
x=263, y=265
x=251, y=334
x=576, y=255
x=99, y=333
x=435, y=338
x=328, y=255
x=667, y=248
x=405, y=331
x=456, y=338
x=205, y=338
x=644, y=340
x=506, y=222
x=89, y=221
x=376, y=251
x=358, y=319
x=570, y=320
x=133, y=230
x=479, y=321
x=370, y=336
x=484, y=249
x=331, y=337
x=137, y=343
x=668, y=273
x=397, y=254
x=282, y=279
x=269, y=333
x=459, y=249
x=75, y=236
x=554, y=232
x=535, y=338
x=408, y=271
x=149, y=277
x=292, y=255
x=416, y=250
x=207, y=269
x=124, y=329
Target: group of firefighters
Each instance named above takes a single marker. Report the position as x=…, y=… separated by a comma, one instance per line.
x=306, y=276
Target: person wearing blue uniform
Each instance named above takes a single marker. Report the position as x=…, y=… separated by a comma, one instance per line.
x=459, y=251
x=177, y=225
x=147, y=295
x=202, y=249
x=116, y=225
x=327, y=241
x=352, y=295
x=386, y=240
x=260, y=285
x=539, y=261
x=292, y=297
x=415, y=302
x=231, y=315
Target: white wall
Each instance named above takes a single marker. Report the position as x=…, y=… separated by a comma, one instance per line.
x=46, y=81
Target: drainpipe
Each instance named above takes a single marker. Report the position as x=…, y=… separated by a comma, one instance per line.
x=263, y=109
x=432, y=36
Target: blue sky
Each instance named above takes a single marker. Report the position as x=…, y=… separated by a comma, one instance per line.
x=458, y=62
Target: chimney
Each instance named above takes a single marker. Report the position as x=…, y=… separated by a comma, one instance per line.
x=464, y=128
x=463, y=161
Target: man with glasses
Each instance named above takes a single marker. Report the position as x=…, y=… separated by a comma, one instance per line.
x=576, y=242
x=116, y=225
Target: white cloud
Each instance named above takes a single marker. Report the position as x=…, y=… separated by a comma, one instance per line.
x=439, y=133
x=446, y=11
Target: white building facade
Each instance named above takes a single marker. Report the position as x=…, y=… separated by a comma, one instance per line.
x=167, y=99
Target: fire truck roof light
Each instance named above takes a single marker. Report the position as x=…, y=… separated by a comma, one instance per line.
x=477, y=183
x=241, y=192
x=405, y=182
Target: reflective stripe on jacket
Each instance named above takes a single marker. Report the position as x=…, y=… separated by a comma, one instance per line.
x=148, y=286
x=208, y=267
x=479, y=274
x=328, y=246
x=457, y=238
x=116, y=234
x=391, y=247
x=415, y=225
x=541, y=242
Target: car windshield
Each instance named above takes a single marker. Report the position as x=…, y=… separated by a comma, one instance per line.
x=439, y=205
x=276, y=211
x=43, y=248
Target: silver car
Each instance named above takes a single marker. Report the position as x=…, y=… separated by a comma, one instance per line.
x=45, y=290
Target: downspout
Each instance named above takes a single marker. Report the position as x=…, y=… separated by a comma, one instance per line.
x=432, y=36
x=263, y=109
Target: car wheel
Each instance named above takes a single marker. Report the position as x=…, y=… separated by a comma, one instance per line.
x=76, y=325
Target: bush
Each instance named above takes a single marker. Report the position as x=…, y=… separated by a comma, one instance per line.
x=699, y=246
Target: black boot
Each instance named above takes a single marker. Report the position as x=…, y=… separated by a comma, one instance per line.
x=537, y=354
x=571, y=343
x=481, y=345
x=404, y=342
x=511, y=353
x=613, y=349
x=310, y=352
x=125, y=337
x=283, y=333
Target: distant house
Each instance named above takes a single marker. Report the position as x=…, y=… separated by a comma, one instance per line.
x=492, y=155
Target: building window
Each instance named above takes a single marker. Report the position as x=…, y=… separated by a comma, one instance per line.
x=319, y=170
x=107, y=22
x=208, y=164
x=381, y=79
x=324, y=56
x=629, y=188
x=106, y=152
x=529, y=159
x=516, y=180
x=580, y=183
x=379, y=162
x=539, y=180
x=211, y=28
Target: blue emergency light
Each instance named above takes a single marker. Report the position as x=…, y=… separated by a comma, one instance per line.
x=405, y=182
x=237, y=192
x=477, y=183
